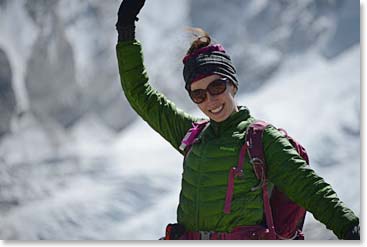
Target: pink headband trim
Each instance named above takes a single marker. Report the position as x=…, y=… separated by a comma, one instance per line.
x=200, y=77
x=206, y=49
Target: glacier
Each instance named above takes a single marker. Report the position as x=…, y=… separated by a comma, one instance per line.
x=82, y=173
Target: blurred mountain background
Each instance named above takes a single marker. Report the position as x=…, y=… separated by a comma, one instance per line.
x=70, y=143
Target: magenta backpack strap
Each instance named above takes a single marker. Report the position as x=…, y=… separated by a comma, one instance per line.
x=254, y=138
x=192, y=134
x=233, y=173
x=236, y=171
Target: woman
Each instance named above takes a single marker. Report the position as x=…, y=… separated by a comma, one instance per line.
x=212, y=83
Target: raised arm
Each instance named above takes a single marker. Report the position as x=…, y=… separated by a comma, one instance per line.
x=159, y=112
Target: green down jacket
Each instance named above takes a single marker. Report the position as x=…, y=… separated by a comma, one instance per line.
x=205, y=175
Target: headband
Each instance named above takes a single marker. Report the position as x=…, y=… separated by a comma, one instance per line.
x=207, y=61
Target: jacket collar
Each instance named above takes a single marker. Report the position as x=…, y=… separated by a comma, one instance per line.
x=232, y=121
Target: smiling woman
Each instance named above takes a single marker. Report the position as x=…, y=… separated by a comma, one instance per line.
x=217, y=200
x=210, y=77
x=215, y=97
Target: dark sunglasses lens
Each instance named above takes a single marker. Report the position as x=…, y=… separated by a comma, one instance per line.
x=198, y=96
x=217, y=86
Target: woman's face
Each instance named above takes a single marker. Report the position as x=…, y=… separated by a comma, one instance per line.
x=216, y=107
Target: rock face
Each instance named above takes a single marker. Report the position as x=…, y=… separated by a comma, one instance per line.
x=7, y=95
x=260, y=35
x=90, y=28
x=71, y=68
x=50, y=76
x=60, y=63
x=347, y=30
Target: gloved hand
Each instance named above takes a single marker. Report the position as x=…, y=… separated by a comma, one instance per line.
x=353, y=234
x=174, y=231
x=127, y=15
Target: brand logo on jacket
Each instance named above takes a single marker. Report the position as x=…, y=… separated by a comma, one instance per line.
x=230, y=149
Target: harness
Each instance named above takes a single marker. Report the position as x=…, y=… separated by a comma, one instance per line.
x=280, y=225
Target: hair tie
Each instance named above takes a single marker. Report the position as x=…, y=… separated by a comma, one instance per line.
x=206, y=49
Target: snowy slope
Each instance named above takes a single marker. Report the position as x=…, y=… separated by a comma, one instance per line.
x=87, y=182
x=62, y=53
x=320, y=106
x=127, y=188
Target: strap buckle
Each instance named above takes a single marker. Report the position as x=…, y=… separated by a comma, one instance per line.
x=204, y=235
x=291, y=238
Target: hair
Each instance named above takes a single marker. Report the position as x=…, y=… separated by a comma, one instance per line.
x=202, y=39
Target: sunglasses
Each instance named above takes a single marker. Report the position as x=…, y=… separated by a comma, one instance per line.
x=216, y=87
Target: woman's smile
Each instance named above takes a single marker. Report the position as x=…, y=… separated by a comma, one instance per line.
x=217, y=110
x=217, y=107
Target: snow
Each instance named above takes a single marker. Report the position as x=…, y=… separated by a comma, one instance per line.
x=128, y=189
x=317, y=105
x=17, y=43
x=90, y=183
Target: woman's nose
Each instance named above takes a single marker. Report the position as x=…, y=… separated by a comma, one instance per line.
x=211, y=97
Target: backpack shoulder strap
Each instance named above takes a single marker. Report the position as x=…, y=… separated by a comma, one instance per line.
x=252, y=146
x=254, y=141
x=192, y=134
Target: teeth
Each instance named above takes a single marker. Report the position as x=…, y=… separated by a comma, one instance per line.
x=217, y=109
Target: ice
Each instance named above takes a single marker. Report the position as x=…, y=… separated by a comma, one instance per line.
x=109, y=176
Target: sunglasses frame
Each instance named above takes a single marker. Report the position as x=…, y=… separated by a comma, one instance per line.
x=207, y=90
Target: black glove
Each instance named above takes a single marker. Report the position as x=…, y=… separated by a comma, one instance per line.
x=174, y=231
x=127, y=15
x=353, y=234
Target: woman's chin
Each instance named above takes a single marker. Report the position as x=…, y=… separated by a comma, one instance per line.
x=218, y=117
x=222, y=115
